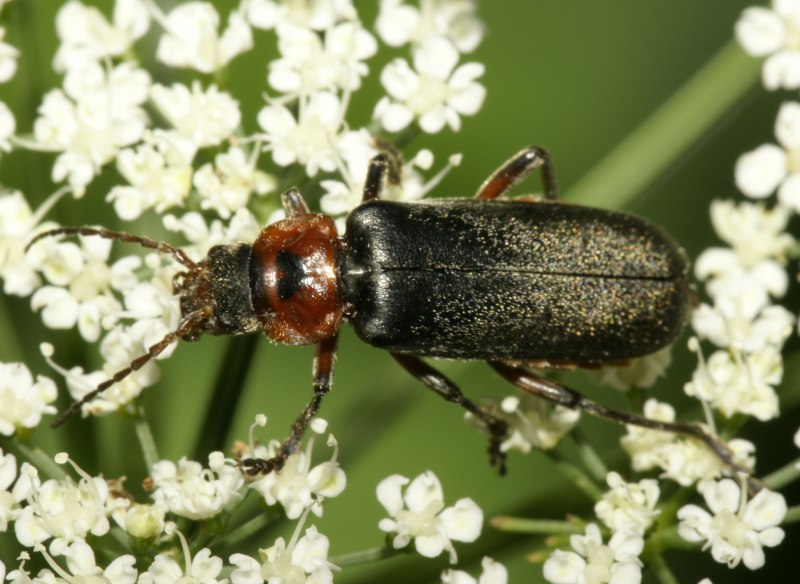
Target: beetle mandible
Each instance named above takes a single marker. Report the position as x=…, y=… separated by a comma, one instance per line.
x=514, y=283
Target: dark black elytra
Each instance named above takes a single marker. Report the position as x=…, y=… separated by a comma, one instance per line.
x=513, y=282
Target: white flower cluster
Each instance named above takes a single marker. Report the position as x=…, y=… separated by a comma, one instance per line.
x=532, y=422
x=420, y=514
x=66, y=513
x=594, y=561
x=736, y=529
x=628, y=510
x=748, y=329
x=772, y=33
x=181, y=151
x=194, y=153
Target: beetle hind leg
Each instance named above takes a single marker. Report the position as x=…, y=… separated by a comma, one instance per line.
x=571, y=398
x=444, y=387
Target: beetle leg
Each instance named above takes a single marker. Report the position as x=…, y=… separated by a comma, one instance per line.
x=518, y=168
x=324, y=363
x=294, y=203
x=376, y=172
x=573, y=399
x=436, y=381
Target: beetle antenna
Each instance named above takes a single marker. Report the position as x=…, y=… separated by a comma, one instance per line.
x=188, y=324
x=177, y=253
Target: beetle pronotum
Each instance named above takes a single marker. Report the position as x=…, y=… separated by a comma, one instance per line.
x=514, y=283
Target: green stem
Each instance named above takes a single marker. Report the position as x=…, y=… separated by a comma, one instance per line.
x=668, y=133
x=783, y=476
x=669, y=539
x=582, y=480
x=589, y=456
x=792, y=515
x=146, y=440
x=244, y=531
x=660, y=568
x=366, y=556
x=549, y=527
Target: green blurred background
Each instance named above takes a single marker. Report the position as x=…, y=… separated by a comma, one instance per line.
x=576, y=77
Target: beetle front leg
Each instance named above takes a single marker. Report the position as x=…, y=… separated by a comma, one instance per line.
x=573, y=399
x=448, y=390
x=324, y=364
x=517, y=169
x=293, y=203
x=376, y=173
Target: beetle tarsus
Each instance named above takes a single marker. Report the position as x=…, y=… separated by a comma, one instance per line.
x=446, y=389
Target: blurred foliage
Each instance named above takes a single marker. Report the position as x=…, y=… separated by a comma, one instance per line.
x=576, y=77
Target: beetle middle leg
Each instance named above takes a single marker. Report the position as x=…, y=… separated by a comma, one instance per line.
x=517, y=168
x=448, y=390
x=324, y=364
x=573, y=399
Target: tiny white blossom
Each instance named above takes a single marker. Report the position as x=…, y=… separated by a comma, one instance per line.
x=308, y=139
x=435, y=92
x=593, y=561
x=628, y=505
x=742, y=278
x=741, y=325
x=98, y=113
x=119, y=347
x=189, y=490
x=769, y=167
x=203, y=568
x=736, y=529
x=18, y=224
x=310, y=63
x=356, y=148
x=24, y=401
x=82, y=567
x=739, y=383
x=420, y=514
x=754, y=232
x=191, y=38
x=159, y=171
x=86, y=35
x=400, y=23
x=243, y=226
x=771, y=33
x=641, y=372
x=8, y=58
x=8, y=125
x=532, y=422
x=226, y=185
x=298, y=485
x=681, y=459
x=493, y=573
x=143, y=521
x=9, y=503
x=207, y=117
x=63, y=510
x=317, y=15
x=304, y=559
x=86, y=298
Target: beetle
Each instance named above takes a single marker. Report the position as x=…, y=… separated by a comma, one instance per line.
x=514, y=282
